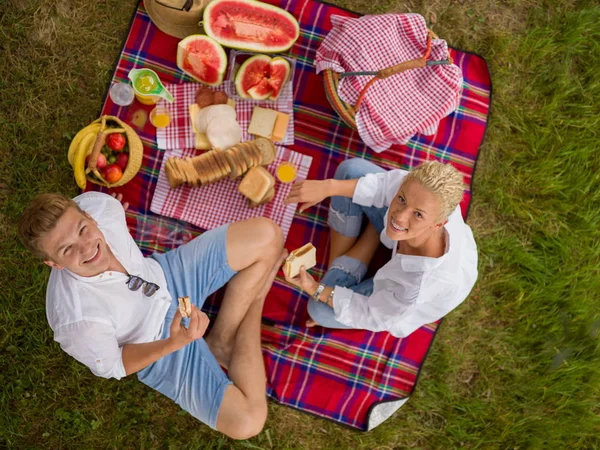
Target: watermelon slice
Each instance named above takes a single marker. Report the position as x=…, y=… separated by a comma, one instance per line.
x=250, y=25
x=202, y=58
x=252, y=73
x=279, y=74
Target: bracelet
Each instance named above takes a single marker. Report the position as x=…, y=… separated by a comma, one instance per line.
x=317, y=293
x=330, y=297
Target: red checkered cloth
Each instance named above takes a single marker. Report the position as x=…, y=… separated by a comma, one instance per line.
x=219, y=203
x=396, y=108
x=179, y=133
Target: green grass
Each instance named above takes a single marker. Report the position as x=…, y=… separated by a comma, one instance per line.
x=516, y=366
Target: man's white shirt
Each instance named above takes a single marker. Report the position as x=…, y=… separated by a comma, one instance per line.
x=93, y=317
x=409, y=291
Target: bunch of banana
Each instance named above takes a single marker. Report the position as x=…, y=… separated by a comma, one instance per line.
x=82, y=146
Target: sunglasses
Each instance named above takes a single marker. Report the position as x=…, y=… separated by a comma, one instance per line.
x=134, y=283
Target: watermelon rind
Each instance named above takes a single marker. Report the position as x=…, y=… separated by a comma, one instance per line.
x=220, y=52
x=242, y=72
x=282, y=62
x=262, y=47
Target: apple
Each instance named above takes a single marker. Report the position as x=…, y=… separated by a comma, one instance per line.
x=122, y=159
x=100, y=162
x=112, y=173
x=116, y=141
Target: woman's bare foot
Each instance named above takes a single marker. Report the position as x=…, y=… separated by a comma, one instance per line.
x=310, y=323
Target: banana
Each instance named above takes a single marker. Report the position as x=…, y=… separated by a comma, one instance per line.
x=91, y=128
x=81, y=152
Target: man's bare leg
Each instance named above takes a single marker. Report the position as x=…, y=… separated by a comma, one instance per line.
x=252, y=248
x=244, y=408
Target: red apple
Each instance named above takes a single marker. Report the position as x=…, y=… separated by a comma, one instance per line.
x=122, y=159
x=116, y=141
x=112, y=173
x=100, y=162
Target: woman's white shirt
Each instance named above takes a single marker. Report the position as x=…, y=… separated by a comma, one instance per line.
x=93, y=317
x=409, y=291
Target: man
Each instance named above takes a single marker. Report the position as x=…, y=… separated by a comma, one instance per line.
x=117, y=312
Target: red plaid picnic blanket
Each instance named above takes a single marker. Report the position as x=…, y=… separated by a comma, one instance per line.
x=395, y=108
x=340, y=375
x=179, y=133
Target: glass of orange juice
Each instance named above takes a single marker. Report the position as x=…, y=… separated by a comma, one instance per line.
x=159, y=116
x=286, y=172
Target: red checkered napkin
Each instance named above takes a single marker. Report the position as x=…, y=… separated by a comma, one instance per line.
x=219, y=203
x=396, y=108
x=179, y=133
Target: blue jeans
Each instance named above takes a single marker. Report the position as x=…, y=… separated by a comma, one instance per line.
x=346, y=218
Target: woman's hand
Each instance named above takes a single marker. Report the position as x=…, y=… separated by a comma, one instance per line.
x=308, y=192
x=181, y=335
x=304, y=281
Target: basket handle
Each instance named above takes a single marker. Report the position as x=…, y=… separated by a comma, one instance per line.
x=401, y=67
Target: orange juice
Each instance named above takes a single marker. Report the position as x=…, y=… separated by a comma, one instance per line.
x=286, y=172
x=159, y=117
x=145, y=83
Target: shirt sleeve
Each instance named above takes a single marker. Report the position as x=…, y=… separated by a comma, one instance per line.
x=377, y=312
x=378, y=189
x=95, y=345
x=104, y=208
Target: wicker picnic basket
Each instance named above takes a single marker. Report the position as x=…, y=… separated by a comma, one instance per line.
x=346, y=111
x=136, y=152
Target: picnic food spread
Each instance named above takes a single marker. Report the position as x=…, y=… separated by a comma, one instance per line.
x=304, y=256
x=250, y=25
x=216, y=165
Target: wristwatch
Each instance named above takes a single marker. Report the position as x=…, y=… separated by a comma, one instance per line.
x=317, y=295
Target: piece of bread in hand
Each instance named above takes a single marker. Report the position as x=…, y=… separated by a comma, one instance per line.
x=185, y=307
x=304, y=256
x=256, y=183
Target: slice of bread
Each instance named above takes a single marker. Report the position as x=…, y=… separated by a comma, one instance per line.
x=267, y=150
x=304, y=256
x=255, y=185
x=266, y=199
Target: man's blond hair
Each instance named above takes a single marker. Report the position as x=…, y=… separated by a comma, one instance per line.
x=40, y=217
x=443, y=180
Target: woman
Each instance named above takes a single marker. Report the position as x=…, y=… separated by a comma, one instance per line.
x=433, y=265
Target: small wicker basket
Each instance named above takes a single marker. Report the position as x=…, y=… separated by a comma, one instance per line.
x=346, y=111
x=136, y=152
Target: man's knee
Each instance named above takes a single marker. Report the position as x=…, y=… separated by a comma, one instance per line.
x=248, y=422
x=268, y=233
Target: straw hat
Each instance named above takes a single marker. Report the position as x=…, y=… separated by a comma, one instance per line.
x=178, y=18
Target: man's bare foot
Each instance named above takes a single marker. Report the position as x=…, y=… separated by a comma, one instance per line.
x=221, y=352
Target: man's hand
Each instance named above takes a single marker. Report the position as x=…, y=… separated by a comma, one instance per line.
x=181, y=335
x=119, y=197
x=304, y=281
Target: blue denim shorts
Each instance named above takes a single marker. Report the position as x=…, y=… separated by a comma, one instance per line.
x=192, y=376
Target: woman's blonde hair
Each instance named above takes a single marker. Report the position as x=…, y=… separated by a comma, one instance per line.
x=443, y=180
x=40, y=217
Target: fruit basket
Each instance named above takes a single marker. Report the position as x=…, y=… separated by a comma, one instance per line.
x=240, y=61
x=88, y=149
